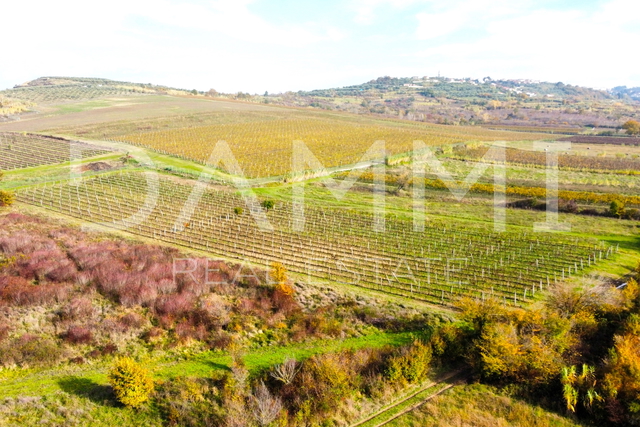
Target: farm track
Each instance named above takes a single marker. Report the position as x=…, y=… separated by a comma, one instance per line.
x=386, y=414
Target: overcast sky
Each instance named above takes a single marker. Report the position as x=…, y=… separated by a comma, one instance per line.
x=271, y=45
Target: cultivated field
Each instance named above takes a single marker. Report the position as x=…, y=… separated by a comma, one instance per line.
x=622, y=163
x=439, y=265
x=26, y=150
x=263, y=145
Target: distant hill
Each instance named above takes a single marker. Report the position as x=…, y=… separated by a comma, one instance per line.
x=516, y=104
x=445, y=87
x=622, y=92
x=51, y=90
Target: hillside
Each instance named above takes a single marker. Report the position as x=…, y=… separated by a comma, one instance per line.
x=36, y=95
x=556, y=107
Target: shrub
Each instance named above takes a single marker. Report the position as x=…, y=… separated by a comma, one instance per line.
x=616, y=209
x=30, y=350
x=78, y=335
x=278, y=273
x=190, y=402
x=411, y=365
x=6, y=198
x=131, y=383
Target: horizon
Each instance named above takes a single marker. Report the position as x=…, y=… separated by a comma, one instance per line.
x=277, y=46
x=160, y=84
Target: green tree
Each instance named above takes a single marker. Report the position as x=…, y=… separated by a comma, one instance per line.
x=616, y=209
x=267, y=204
x=632, y=127
x=131, y=383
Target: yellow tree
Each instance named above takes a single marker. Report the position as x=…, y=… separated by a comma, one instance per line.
x=622, y=378
x=131, y=383
x=632, y=127
x=283, y=295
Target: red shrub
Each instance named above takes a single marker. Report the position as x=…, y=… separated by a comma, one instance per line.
x=186, y=330
x=65, y=272
x=78, y=308
x=18, y=291
x=220, y=340
x=4, y=331
x=143, y=294
x=78, y=335
x=166, y=286
x=174, y=305
x=108, y=348
x=132, y=320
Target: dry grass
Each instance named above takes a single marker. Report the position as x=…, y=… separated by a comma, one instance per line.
x=481, y=406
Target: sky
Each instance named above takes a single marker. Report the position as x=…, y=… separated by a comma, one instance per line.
x=269, y=45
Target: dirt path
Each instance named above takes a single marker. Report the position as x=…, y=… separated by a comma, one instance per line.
x=387, y=414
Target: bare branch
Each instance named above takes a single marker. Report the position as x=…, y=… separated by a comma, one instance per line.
x=286, y=372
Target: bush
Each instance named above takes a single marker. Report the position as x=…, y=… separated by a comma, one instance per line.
x=78, y=335
x=131, y=383
x=6, y=198
x=30, y=350
x=411, y=365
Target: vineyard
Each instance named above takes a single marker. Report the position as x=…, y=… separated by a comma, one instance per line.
x=334, y=142
x=55, y=94
x=52, y=90
x=511, y=190
x=546, y=129
x=438, y=265
x=28, y=150
x=625, y=165
x=613, y=140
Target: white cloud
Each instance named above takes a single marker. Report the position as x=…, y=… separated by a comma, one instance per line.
x=574, y=46
x=229, y=46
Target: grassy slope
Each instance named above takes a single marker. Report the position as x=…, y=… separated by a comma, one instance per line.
x=75, y=378
x=477, y=405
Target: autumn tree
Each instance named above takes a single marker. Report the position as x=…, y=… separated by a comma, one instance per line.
x=632, y=127
x=278, y=273
x=283, y=292
x=622, y=375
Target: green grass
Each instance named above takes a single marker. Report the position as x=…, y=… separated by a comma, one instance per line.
x=75, y=378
